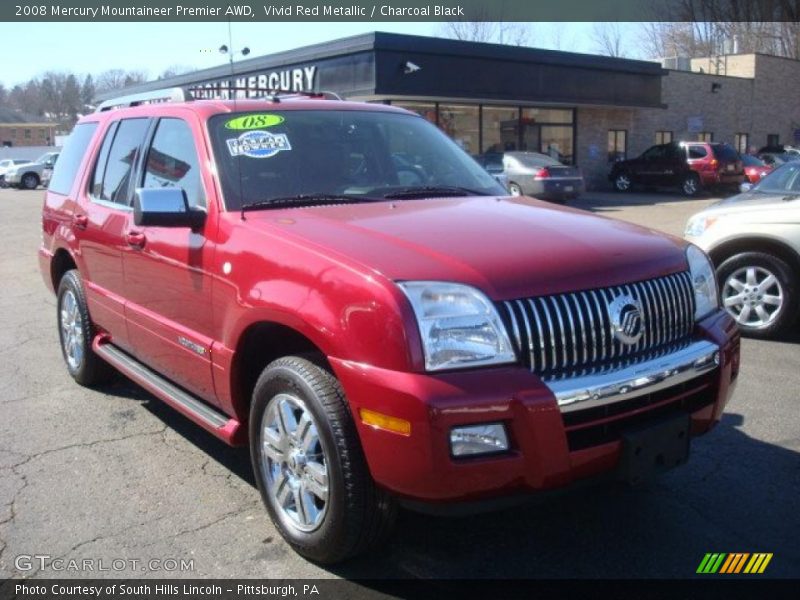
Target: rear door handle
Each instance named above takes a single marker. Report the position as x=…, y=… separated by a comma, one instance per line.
x=136, y=239
x=80, y=221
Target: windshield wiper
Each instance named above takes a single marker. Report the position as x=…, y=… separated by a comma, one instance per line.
x=306, y=200
x=429, y=191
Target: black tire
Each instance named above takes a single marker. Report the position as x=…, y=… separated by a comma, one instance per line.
x=514, y=189
x=91, y=370
x=623, y=182
x=690, y=185
x=29, y=181
x=358, y=515
x=786, y=315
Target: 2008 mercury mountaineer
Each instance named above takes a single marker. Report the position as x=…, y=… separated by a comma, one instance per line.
x=344, y=289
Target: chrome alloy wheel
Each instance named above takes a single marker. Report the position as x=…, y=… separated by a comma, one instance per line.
x=71, y=330
x=294, y=463
x=622, y=183
x=753, y=296
x=690, y=186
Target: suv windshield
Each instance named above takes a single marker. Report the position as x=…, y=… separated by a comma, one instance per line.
x=307, y=154
x=724, y=152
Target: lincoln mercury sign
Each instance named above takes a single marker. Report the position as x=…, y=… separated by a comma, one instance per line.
x=300, y=79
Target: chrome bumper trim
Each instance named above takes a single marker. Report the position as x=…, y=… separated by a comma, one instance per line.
x=602, y=388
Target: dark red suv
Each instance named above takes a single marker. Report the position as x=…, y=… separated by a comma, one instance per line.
x=691, y=166
x=342, y=288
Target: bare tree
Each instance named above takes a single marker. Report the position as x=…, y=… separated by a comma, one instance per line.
x=174, y=70
x=699, y=28
x=115, y=79
x=558, y=38
x=486, y=24
x=608, y=40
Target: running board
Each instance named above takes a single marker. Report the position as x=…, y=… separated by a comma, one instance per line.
x=227, y=429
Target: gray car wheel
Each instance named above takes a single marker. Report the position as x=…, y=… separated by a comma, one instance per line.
x=514, y=189
x=30, y=181
x=759, y=291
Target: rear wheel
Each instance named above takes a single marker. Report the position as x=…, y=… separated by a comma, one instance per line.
x=514, y=189
x=760, y=291
x=622, y=182
x=309, y=465
x=30, y=181
x=76, y=333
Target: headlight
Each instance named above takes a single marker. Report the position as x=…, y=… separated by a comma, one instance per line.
x=704, y=282
x=698, y=224
x=458, y=324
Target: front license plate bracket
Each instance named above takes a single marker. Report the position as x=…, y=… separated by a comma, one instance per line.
x=651, y=450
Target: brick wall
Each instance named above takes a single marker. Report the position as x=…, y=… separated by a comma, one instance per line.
x=26, y=134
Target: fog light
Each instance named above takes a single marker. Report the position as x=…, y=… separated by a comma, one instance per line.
x=478, y=439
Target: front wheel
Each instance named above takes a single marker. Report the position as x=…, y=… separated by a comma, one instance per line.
x=758, y=290
x=309, y=464
x=622, y=182
x=690, y=185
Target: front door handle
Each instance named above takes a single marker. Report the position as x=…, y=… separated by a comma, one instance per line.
x=80, y=221
x=136, y=239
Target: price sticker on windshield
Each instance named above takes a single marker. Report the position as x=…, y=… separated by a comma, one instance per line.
x=258, y=144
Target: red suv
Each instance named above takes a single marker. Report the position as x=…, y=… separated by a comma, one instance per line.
x=691, y=166
x=379, y=331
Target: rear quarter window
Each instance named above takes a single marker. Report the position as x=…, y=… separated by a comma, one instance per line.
x=71, y=157
x=725, y=152
x=697, y=152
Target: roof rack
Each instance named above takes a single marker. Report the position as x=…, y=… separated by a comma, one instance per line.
x=176, y=94
x=274, y=94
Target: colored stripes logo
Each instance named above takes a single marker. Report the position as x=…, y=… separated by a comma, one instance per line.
x=737, y=562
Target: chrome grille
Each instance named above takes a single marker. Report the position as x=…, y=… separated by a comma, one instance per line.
x=573, y=331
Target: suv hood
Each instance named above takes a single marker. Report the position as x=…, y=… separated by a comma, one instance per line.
x=507, y=247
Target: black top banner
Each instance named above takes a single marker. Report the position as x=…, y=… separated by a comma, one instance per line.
x=402, y=10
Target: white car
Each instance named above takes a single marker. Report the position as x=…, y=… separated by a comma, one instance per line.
x=7, y=164
x=753, y=240
x=29, y=175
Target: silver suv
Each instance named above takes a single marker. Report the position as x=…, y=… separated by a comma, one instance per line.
x=754, y=241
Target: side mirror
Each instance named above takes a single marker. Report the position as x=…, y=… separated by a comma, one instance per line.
x=165, y=207
x=745, y=187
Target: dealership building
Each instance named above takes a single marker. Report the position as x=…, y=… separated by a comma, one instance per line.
x=583, y=109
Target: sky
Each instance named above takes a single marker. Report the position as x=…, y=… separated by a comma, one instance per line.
x=153, y=47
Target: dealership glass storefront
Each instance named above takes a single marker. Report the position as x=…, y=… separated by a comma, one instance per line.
x=482, y=128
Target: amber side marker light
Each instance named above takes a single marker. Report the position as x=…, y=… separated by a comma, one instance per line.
x=385, y=422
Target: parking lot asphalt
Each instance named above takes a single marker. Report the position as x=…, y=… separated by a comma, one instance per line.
x=115, y=474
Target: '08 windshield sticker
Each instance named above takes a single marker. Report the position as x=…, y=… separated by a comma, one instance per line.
x=254, y=121
x=258, y=144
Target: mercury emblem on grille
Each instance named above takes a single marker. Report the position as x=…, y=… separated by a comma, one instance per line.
x=626, y=317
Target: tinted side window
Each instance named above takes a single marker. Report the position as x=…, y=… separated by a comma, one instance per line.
x=121, y=159
x=172, y=161
x=96, y=187
x=654, y=153
x=697, y=152
x=66, y=169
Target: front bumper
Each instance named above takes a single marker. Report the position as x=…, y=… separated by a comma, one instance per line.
x=552, y=446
